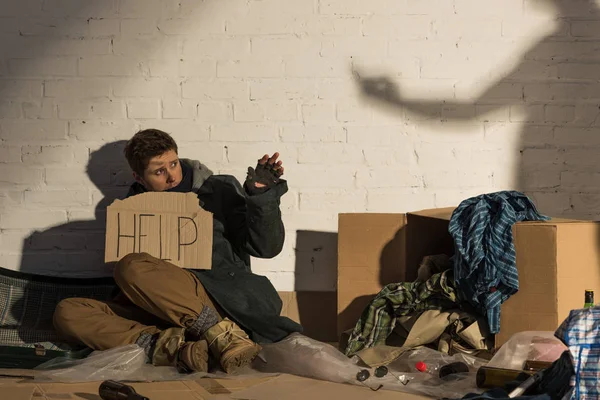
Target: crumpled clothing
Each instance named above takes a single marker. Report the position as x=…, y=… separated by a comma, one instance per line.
x=455, y=331
x=398, y=299
x=485, y=268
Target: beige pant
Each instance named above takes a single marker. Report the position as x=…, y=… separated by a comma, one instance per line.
x=155, y=295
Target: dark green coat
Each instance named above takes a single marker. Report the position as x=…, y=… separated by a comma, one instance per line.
x=243, y=226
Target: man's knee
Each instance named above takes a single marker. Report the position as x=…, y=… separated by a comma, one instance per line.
x=65, y=314
x=125, y=270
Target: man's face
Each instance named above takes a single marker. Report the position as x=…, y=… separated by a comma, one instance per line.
x=163, y=172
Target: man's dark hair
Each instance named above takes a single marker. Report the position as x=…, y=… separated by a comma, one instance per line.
x=145, y=145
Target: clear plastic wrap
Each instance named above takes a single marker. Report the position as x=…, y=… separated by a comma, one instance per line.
x=295, y=355
x=121, y=363
x=302, y=356
x=126, y=363
x=530, y=345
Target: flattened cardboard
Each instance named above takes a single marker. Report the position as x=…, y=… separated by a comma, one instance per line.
x=169, y=226
x=297, y=388
x=263, y=388
x=165, y=390
x=17, y=392
x=557, y=261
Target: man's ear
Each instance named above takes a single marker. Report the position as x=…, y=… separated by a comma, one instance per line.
x=138, y=178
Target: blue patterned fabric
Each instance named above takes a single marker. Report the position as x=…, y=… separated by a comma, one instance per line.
x=581, y=333
x=485, y=269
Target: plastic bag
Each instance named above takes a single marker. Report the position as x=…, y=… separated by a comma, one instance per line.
x=530, y=345
x=302, y=356
x=296, y=355
x=122, y=363
x=126, y=363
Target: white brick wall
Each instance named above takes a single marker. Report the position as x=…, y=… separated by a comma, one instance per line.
x=483, y=96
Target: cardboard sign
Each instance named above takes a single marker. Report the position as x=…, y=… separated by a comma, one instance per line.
x=168, y=226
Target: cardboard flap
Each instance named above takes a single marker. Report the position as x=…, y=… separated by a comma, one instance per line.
x=437, y=213
x=555, y=221
x=446, y=214
x=169, y=226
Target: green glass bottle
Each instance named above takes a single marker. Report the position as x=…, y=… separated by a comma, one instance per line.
x=589, y=299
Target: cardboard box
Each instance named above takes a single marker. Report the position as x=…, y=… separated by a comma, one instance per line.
x=557, y=261
x=169, y=226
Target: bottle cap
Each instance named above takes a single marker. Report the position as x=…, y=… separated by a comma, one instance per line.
x=381, y=371
x=421, y=366
x=362, y=375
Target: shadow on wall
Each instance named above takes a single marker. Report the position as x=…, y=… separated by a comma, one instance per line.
x=316, y=255
x=72, y=250
x=552, y=96
x=67, y=39
x=76, y=249
x=35, y=32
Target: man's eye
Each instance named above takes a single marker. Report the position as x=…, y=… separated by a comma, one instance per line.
x=174, y=163
x=159, y=172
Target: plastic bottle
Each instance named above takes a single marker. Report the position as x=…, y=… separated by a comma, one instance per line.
x=442, y=371
x=432, y=368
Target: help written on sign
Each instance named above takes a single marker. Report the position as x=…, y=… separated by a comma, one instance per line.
x=168, y=226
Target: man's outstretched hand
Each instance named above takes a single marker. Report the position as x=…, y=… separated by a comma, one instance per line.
x=266, y=174
x=379, y=87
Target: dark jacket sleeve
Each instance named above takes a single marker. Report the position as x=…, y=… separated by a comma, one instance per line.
x=254, y=225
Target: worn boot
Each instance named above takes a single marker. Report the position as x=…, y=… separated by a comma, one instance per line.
x=231, y=345
x=193, y=356
x=171, y=349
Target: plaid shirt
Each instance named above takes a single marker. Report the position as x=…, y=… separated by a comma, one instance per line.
x=398, y=299
x=485, y=268
x=581, y=332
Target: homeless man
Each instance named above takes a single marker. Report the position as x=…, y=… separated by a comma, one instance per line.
x=181, y=316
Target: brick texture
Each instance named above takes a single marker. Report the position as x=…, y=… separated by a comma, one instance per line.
x=377, y=106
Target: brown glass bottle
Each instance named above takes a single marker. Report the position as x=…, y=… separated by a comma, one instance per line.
x=489, y=377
